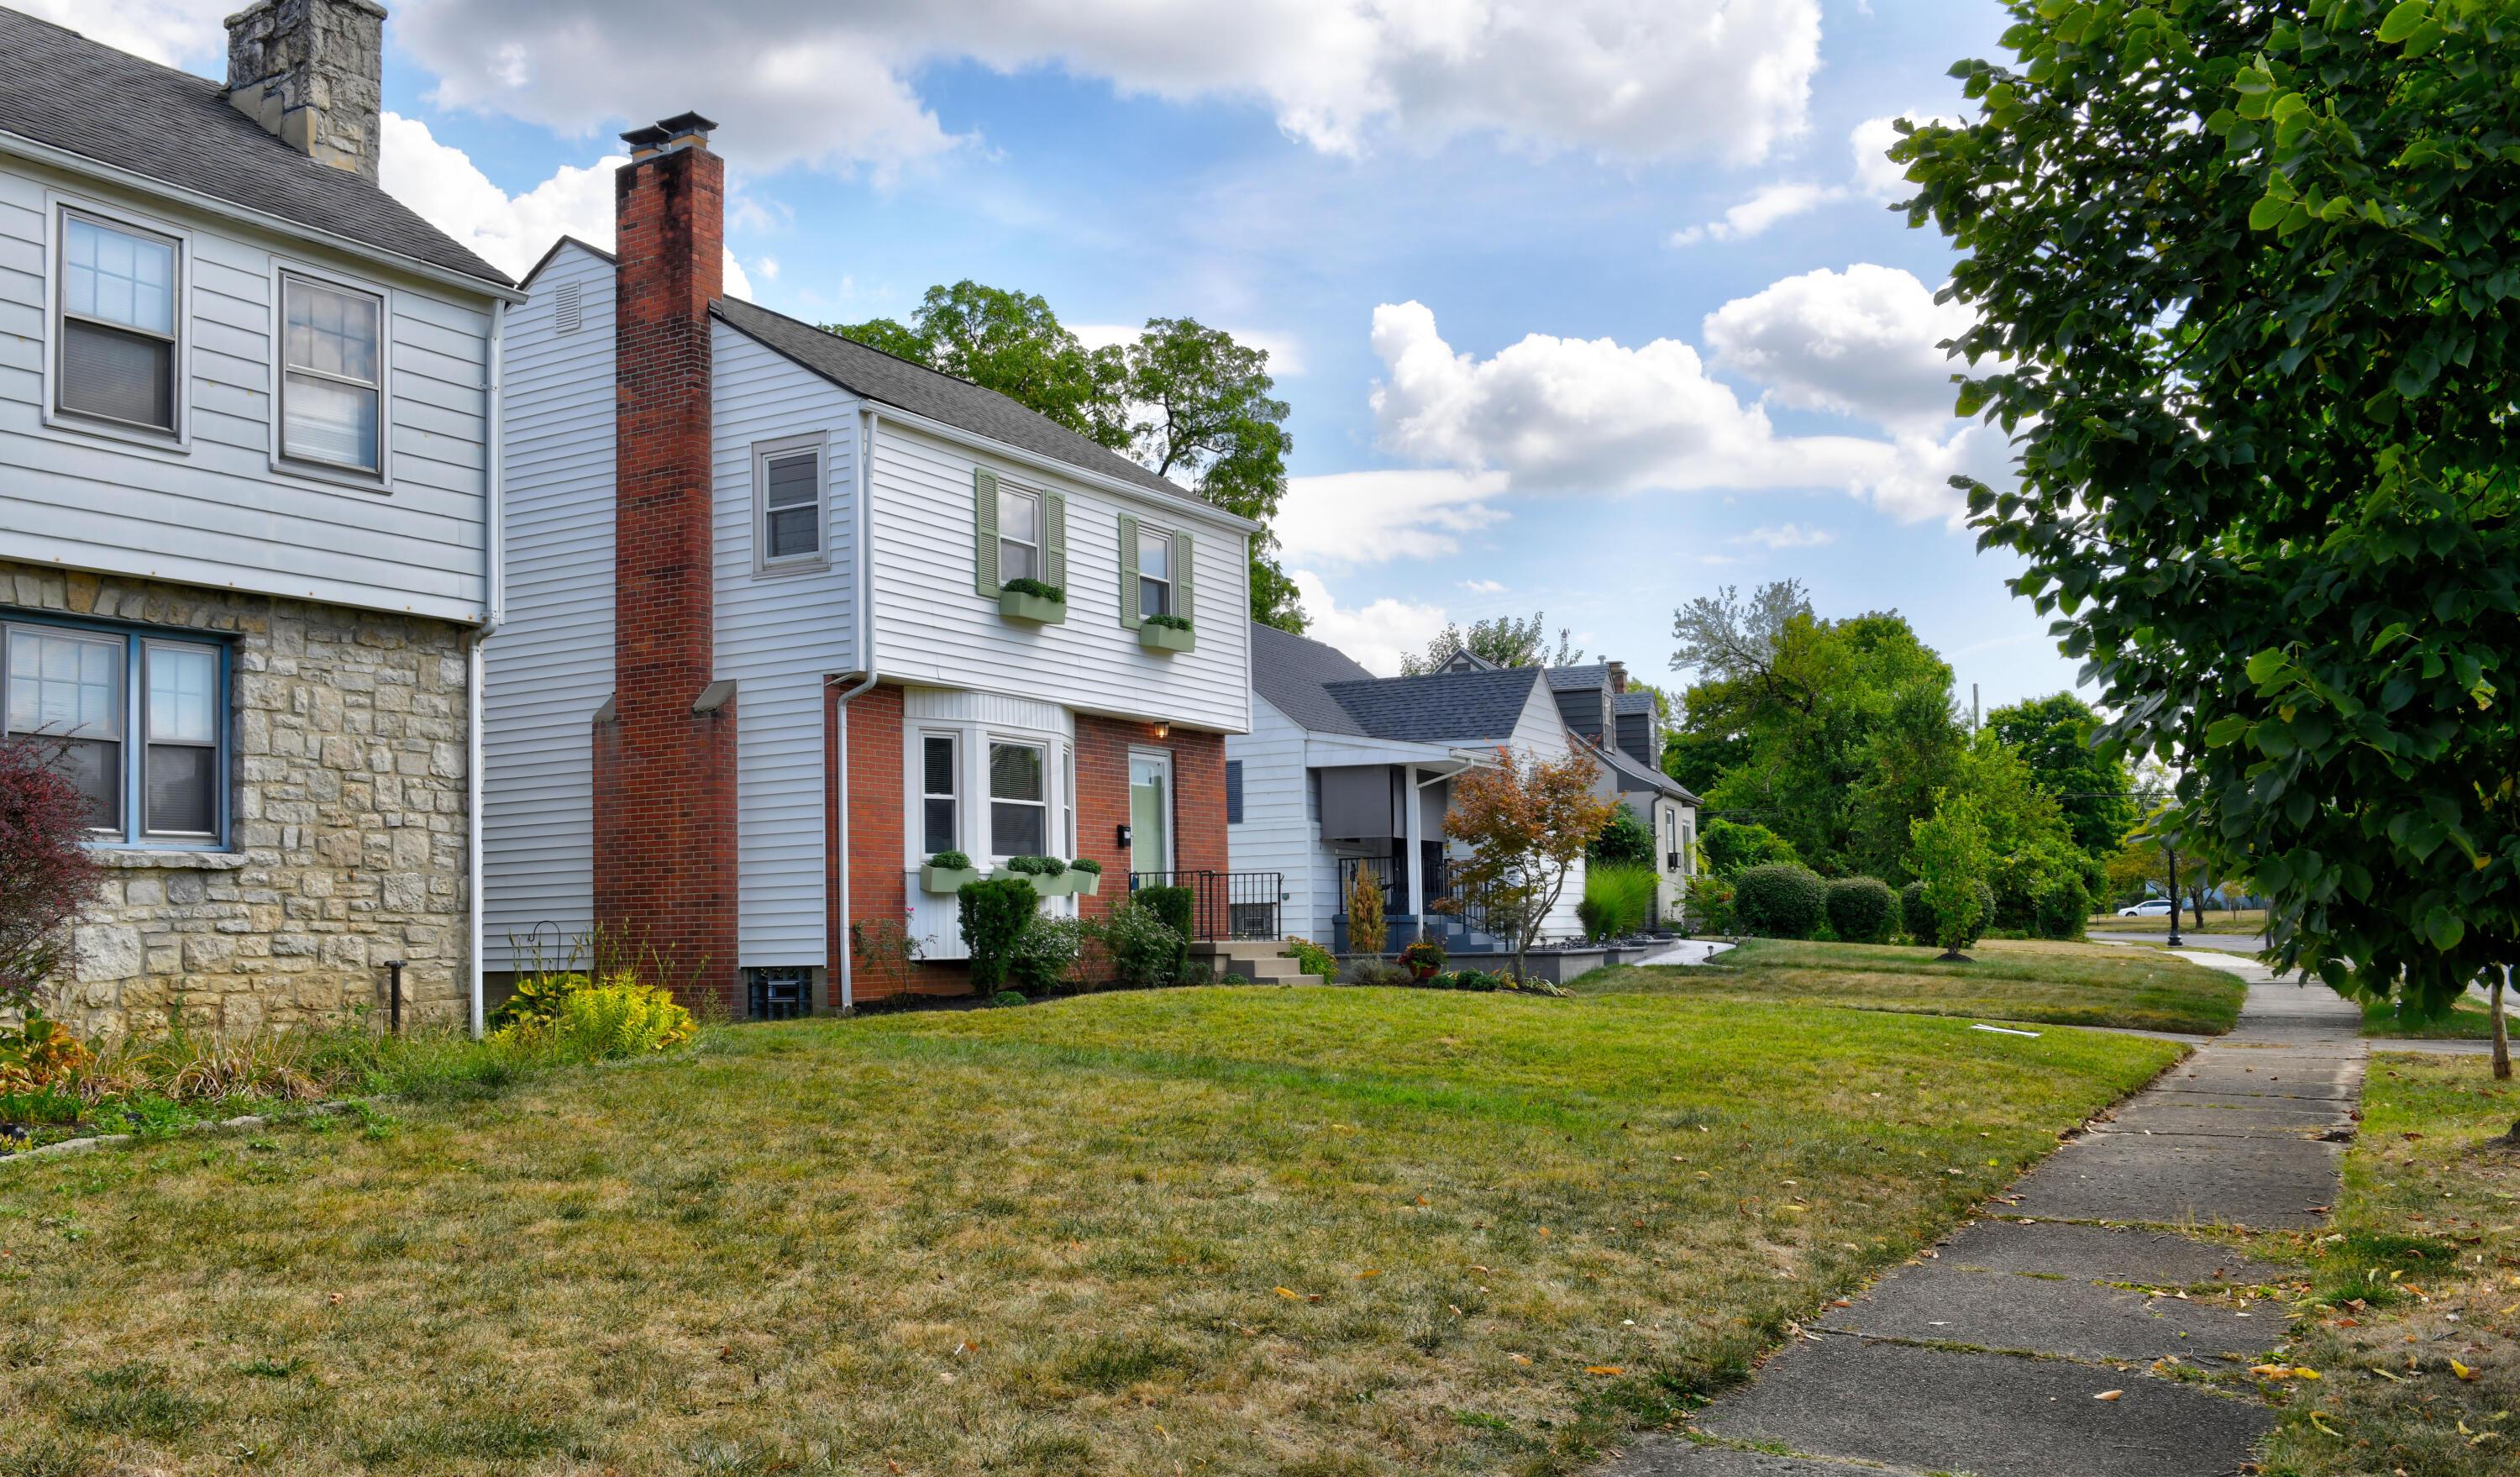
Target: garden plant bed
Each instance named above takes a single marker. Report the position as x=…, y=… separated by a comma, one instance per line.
x=2030, y=980
x=1312, y=1228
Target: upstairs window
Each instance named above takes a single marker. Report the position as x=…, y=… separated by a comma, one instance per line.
x=790, y=522
x=332, y=375
x=141, y=720
x=1154, y=572
x=118, y=295
x=1019, y=535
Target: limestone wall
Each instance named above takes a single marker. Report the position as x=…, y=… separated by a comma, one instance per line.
x=348, y=791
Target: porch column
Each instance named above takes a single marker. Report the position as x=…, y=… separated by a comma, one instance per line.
x=1417, y=853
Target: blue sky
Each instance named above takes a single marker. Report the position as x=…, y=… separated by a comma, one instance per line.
x=1587, y=306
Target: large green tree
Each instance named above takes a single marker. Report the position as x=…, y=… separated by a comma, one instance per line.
x=1503, y=640
x=2248, y=284
x=1186, y=400
x=2054, y=737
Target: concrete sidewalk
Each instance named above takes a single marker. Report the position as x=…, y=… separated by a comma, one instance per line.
x=2019, y=1346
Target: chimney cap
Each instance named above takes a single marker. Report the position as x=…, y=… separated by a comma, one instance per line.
x=646, y=138
x=686, y=123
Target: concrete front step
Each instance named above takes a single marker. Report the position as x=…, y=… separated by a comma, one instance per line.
x=1258, y=960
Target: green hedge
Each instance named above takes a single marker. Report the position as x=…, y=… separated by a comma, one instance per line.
x=1863, y=910
x=1780, y=899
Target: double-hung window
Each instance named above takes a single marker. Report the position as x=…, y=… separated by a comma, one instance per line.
x=116, y=358
x=789, y=524
x=940, y=763
x=1154, y=572
x=139, y=719
x=1018, y=800
x=1018, y=534
x=332, y=377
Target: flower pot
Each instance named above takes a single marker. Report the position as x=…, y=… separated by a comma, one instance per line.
x=1048, y=886
x=947, y=881
x=1421, y=971
x=1157, y=637
x=1018, y=605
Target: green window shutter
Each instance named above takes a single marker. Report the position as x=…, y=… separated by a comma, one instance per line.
x=1129, y=572
x=1184, y=606
x=984, y=532
x=1054, y=539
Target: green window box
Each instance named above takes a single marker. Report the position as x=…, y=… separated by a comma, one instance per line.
x=1018, y=604
x=1157, y=637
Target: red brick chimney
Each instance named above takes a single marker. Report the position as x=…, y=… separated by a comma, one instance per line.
x=664, y=746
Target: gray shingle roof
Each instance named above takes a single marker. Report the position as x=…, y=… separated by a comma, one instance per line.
x=1443, y=707
x=1294, y=675
x=1638, y=773
x=1635, y=702
x=1575, y=679
x=923, y=391
x=60, y=88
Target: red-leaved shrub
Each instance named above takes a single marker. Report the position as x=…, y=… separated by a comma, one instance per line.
x=46, y=874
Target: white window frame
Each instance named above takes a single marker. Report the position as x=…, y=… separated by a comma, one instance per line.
x=1039, y=544
x=1067, y=796
x=763, y=453
x=919, y=787
x=58, y=208
x=328, y=473
x=988, y=796
x=314, y=467
x=1171, y=577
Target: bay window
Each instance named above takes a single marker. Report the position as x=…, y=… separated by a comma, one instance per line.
x=140, y=721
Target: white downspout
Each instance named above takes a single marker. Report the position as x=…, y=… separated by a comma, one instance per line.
x=494, y=578
x=864, y=642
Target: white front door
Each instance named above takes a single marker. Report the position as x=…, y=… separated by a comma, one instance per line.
x=1151, y=811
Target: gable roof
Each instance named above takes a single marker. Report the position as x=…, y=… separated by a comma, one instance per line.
x=1578, y=679
x=1294, y=673
x=877, y=375
x=1441, y=707
x=85, y=97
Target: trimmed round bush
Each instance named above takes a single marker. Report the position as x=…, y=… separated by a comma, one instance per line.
x=1780, y=900
x=1916, y=914
x=1863, y=910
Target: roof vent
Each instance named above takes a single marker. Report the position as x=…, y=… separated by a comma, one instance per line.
x=569, y=308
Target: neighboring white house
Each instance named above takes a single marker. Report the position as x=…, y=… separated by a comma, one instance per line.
x=825, y=682
x=248, y=485
x=1344, y=771
x=1623, y=733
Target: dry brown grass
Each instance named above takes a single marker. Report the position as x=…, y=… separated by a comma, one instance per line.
x=1312, y=1231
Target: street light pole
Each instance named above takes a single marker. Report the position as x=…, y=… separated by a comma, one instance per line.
x=2175, y=940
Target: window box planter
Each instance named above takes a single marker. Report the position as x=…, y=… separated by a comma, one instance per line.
x=1157, y=637
x=1084, y=884
x=1059, y=886
x=947, y=881
x=1040, y=610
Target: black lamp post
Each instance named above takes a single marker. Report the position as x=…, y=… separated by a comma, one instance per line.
x=2175, y=940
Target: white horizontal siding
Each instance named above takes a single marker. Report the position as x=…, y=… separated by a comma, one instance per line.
x=778, y=637
x=550, y=667
x=1542, y=736
x=215, y=511
x=932, y=626
x=1277, y=833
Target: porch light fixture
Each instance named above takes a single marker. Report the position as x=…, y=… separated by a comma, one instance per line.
x=1163, y=731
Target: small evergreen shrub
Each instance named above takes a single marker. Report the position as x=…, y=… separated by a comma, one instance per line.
x=1037, y=589
x=1086, y=865
x=1916, y=914
x=1780, y=899
x=951, y=860
x=1169, y=623
x=1863, y=910
x=1037, y=867
x=1366, y=929
x=1174, y=906
x=1046, y=954
x=1005, y=998
x=1144, y=950
x=1624, y=841
x=994, y=913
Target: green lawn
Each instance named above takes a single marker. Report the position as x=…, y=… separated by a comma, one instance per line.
x=2067, y=984
x=2417, y=1277
x=1317, y=1231
x=2468, y=1020
x=2217, y=920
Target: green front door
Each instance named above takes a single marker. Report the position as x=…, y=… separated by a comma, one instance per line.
x=1151, y=813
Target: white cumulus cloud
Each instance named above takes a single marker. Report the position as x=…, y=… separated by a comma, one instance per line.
x=1861, y=342
x=1375, y=636
x=511, y=232
x=834, y=82
x=175, y=32
x=1354, y=518
x=1787, y=536
x=1874, y=174
x=1483, y=587
x=1766, y=207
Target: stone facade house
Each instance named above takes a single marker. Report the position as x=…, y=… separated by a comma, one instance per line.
x=248, y=413
x=777, y=635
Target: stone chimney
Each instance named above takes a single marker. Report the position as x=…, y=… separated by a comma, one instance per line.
x=308, y=71
x=1618, y=676
x=665, y=745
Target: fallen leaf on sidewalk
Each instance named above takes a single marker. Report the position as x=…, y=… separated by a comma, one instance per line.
x=1603, y=1370
x=2110, y=1395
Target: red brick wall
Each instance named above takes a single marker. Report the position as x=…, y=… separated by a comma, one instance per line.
x=877, y=811
x=664, y=783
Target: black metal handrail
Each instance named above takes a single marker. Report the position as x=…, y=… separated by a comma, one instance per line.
x=1226, y=905
x=1445, y=894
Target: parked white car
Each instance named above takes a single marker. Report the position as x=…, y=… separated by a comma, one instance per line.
x=2149, y=908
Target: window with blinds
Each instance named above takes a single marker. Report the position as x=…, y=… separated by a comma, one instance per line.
x=118, y=331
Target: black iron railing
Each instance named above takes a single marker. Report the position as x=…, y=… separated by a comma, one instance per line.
x=1226, y=905
x=1447, y=897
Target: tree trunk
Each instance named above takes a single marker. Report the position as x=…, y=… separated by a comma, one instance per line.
x=2502, y=1033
